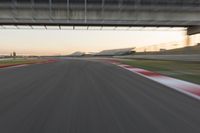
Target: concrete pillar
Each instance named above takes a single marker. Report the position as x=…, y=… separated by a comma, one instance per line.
x=187, y=40
x=193, y=30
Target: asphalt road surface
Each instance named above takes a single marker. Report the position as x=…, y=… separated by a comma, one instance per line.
x=82, y=96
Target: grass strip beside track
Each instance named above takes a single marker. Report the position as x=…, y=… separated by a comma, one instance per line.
x=14, y=62
x=188, y=71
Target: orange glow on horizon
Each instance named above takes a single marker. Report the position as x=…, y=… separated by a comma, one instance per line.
x=62, y=42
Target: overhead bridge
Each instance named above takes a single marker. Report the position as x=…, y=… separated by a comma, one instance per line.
x=158, y=13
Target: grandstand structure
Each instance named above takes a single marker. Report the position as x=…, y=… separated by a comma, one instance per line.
x=77, y=54
x=116, y=52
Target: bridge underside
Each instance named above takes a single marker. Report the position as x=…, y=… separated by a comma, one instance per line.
x=176, y=13
x=110, y=16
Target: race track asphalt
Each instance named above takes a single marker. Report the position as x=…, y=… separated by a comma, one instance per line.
x=87, y=96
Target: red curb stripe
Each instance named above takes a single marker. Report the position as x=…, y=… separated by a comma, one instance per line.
x=141, y=71
x=185, y=87
x=195, y=92
x=21, y=65
x=149, y=73
x=10, y=65
x=128, y=66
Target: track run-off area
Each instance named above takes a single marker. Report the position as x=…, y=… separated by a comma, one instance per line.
x=91, y=96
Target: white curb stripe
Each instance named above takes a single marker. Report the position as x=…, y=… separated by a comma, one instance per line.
x=185, y=87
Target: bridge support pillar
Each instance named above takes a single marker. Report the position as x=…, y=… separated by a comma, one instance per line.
x=187, y=40
x=193, y=30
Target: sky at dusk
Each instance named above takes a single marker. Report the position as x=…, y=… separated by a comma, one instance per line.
x=62, y=42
